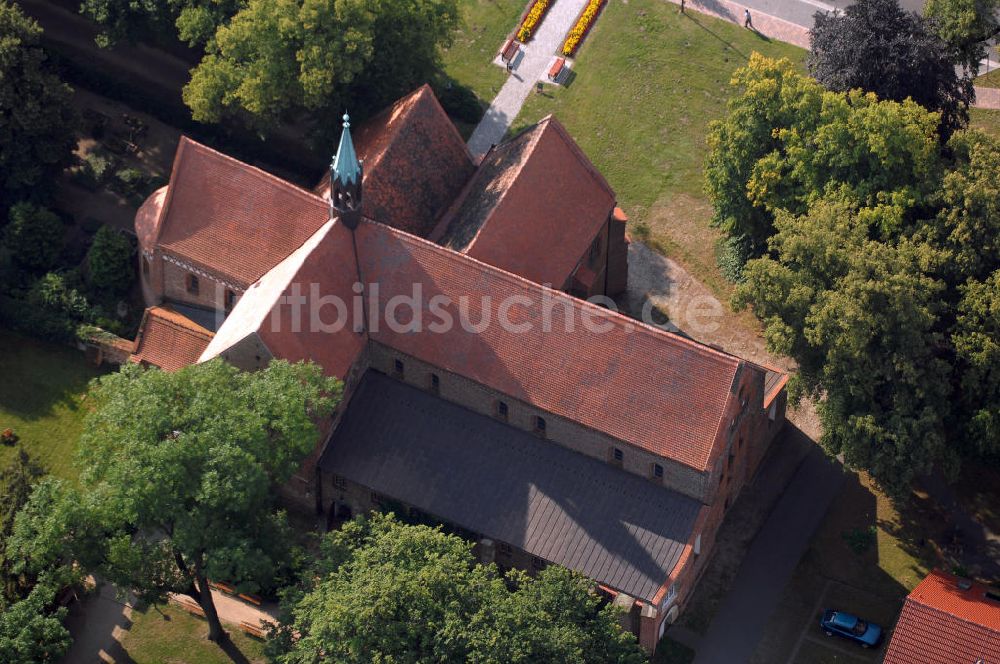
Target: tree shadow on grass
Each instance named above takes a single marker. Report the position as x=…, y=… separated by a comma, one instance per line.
x=726, y=43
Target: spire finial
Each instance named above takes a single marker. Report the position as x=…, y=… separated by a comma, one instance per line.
x=347, y=120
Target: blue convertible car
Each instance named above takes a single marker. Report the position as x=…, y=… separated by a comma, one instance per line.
x=851, y=627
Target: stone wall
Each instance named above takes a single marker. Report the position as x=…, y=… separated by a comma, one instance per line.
x=567, y=433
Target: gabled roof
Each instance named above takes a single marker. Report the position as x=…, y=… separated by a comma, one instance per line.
x=232, y=219
x=169, y=340
x=533, y=207
x=278, y=307
x=944, y=622
x=490, y=478
x=655, y=390
x=415, y=163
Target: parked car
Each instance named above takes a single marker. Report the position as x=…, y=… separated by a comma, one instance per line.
x=840, y=623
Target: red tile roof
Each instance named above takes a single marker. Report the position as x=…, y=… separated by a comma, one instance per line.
x=655, y=390
x=232, y=219
x=415, y=163
x=168, y=340
x=942, y=623
x=533, y=207
x=331, y=267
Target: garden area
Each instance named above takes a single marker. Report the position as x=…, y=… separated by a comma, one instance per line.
x=43, y=400
x=639, y=106
x=159, y=635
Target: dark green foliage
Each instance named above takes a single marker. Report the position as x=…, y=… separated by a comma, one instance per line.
x=876, y=46
x=16, y=480
x=110, y=265
x=31, y=633
x=873, y=266
x=431, y=601
x=34, y=237
x=138, y=20
x=195, y=457
x=460, y=103
x=314, y=58
x=36, y=119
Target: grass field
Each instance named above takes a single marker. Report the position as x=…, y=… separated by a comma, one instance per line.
x=990, y=79
x=485, y=24
x=987, y=119
x=169, y=635
x=646, y=83
x=42, y=399
x=866, y=557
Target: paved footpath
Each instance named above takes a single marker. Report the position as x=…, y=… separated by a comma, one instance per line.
x=770, y=561
x=790, y=21
x=531, y=65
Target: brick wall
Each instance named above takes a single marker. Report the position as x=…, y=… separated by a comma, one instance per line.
x=617, y=272
x=577, y=437
x=211, y=292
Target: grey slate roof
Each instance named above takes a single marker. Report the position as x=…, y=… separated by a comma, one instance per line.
x=481, y=474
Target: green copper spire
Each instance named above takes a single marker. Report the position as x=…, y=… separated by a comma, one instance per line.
x=345, y=166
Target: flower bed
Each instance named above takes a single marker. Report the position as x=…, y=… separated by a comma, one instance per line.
x=583, y=24
x=532, y=19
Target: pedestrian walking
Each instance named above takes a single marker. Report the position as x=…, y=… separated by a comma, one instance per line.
x=747, y=21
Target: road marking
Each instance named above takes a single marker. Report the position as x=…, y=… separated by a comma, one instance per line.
x=812, y=616
x=819, y=5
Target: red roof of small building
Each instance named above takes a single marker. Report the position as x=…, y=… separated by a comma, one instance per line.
x=168, y=340
x=415, y=163
x=652, y=389
x=533, y=208
x=946, y=623
x=232, y=219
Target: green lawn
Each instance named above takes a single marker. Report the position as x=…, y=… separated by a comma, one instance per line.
x=169, y=635
x=42, y=399
x=485, y=25
x=990, y=79
x=987, y=119
x=645, y=85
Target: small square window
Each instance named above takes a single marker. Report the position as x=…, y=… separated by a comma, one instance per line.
x=502, y=410
x=435, y=383
x=540, y=425
x=230, y=300
x=339, y=483
x=192, y=284
x=657, y=471
x=397, y=366
x=617, y=456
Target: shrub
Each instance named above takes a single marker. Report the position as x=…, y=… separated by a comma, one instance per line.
x=532, y=19
x=34, y=237
x=128, y=181
x=109, y=263
x=95, y=169
x=460, y=103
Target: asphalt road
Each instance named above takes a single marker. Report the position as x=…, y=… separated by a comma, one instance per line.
x=772, y=557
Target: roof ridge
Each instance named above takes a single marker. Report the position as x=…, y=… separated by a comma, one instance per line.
x=614, y=316
x=580, y=155
x=528, y=149
x=283, y=183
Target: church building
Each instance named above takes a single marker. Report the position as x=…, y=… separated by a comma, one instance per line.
x=482, y=390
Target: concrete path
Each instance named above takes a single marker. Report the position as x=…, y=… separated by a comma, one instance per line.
x=530, y=66
x=744, y=612
x=790, y=20
x=96, y=623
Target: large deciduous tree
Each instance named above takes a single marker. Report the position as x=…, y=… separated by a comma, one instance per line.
x=34, y=237
x=384, y=591
x=967, y=26
x=179, y=474
x=878, y=47
x=786, y=142
x=277, y=58
x=36, y=119
x=136, y=20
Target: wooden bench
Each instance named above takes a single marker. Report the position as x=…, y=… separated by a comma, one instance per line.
x=510, y=49
x=224, y=587
x=253, y=599
x=191, y=607
x=556, y=69
x=253, y=630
